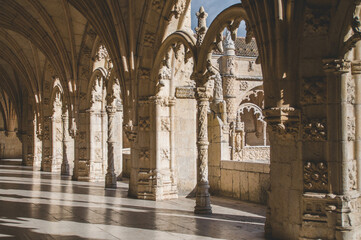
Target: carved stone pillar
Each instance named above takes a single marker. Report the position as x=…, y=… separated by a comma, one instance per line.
x=111, y=177
x=65, y=163
x=229, y=87
x=46, y=164
x=341, y=157
x=356, y=72
x=337, y=70
x=203, y=203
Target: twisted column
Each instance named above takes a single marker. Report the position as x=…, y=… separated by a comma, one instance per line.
x=203, y=203
x=111, y=177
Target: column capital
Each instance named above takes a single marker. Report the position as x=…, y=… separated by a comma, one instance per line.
x=111, y=109
x=337, y=66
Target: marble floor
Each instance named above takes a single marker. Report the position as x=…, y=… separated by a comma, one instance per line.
x=39, y=205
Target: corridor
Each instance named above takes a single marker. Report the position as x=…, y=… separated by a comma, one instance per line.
x=39, y=205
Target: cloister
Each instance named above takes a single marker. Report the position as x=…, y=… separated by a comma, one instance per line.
x=125, y=99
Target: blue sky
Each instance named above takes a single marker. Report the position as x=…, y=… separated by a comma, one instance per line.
x=213, y=8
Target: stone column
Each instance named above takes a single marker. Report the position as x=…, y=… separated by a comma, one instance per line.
x=229, y=79
x=340, y=155
x=356, y=72
x=111, y=177
x=24, y=141
x=65, y=163
x=203, y=203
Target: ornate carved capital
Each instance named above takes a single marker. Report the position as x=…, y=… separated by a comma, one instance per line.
x=337, y=66
x=111, y=109
x=283, y=121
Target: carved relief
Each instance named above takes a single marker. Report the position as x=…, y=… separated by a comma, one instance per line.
x=144, y=124
x=59, y=134
x=101, y=54
x=315, y=176
x=285, y=130
x=144, y=74
x=82, y=153
x=165, y=124
x=98, y=137
x=130, y=132
x=203, y=164
x=243, y=86
x=165, y=155
x=315, y=130
x=350, y=91
x=144, y=154
x=316, y=21
x=46, y=151
x=250, y=66
x=149, y=39
x=314, y=209
x=185, y=92
x=157, y=5
x=251, y=154
x=201, y=29
x=314, y=90
x=351, y=129
x=178, y=9
x=352, y=175
x=46, y=133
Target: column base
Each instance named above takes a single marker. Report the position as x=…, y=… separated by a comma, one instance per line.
x=110, y=180
x=153, y=185
x=203, y=201
x=65, y=169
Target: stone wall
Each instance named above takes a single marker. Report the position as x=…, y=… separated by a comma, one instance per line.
x=10, y=146
x=244, y=180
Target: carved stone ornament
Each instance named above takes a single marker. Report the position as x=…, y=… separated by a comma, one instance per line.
x=157, y=5
x=185, y=92
x=283, y=121
x=352, y=175
x=243, y=86
x=315, y=176
x=285, y=130
x=101, y=54
x=130, y=132
x=149, y=39
x=144, y=154
x=336, y=65
x=144, y=74
x=144, y=124
x=351, y=132
x=315, y=130
x=316, y=21
x=178, y=9
x=314, y=90
x=350, y=90
x=165, y=124
x=228, y=43
x=201, y=29
x=165, y=155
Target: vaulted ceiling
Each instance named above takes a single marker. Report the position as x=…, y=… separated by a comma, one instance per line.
x=44, y=38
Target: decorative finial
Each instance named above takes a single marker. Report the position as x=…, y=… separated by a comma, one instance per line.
x=228, y=43
x=202, y=25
